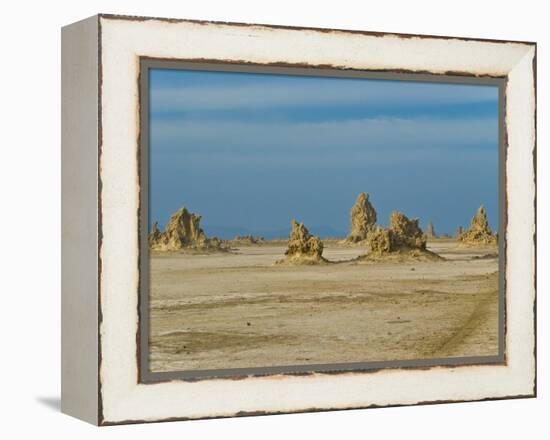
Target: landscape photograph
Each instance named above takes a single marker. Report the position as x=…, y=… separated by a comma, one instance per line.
x=301, y=220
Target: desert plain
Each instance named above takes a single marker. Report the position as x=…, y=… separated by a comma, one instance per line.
x=239, y=309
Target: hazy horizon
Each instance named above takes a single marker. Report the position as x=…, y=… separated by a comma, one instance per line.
x=250, y=152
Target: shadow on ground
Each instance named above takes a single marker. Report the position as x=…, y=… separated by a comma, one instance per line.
x=52, y=403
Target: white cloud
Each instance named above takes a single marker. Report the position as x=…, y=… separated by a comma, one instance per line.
x=306, y=94
x=371, y=134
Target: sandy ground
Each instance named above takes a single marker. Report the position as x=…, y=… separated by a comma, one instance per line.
x=235, y=310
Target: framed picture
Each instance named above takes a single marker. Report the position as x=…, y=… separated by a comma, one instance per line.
x=264, y=219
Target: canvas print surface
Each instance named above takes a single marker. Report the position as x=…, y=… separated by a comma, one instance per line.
x=304, y=220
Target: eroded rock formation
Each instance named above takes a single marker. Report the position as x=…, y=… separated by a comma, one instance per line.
x=430, y=231
x=247, y=240
x=363, y=218
x=406, y=233
x=479, y=232
x=154, y=236
x=303, y=248
x=379, y=240
x=182, y=231
x=402, y=238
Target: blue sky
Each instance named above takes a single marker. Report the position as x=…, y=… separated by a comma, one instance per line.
x=250, y=152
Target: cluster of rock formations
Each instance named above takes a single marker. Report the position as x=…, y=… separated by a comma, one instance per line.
x=403, y=237
x=303, y=248
x=247, y=239
x=182, y=232
x=479, y=232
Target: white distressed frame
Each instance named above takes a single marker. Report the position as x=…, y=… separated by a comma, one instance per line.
x=122, y=41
